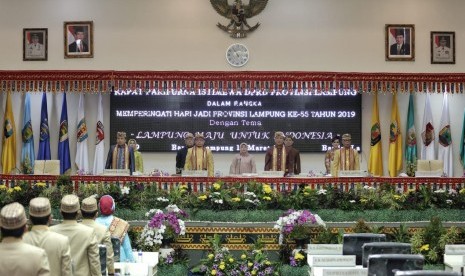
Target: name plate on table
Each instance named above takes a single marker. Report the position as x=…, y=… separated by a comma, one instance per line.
x=331, y=260
x=133, y=269
x=194, y=173
x=455, y=249
x=324, y=249
x=354, y=173
x=271, y=174
x=116, y=172
x=340, y=271
x=456, y=260
x=428, y=173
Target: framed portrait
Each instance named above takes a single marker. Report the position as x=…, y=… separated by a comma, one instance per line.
x=35, y=44
x=400, y=42
x=79, y=39
x=443, y=47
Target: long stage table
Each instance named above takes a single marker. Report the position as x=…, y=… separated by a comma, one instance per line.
x=201, y=184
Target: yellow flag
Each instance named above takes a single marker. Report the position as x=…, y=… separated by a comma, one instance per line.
x=9, y=139
x=395, y=141
x=375, y=164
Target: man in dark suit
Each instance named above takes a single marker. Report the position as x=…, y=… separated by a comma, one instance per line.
x=78, y=46
x=400, y=47
x=121, y=156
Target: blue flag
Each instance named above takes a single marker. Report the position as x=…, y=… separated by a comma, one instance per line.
x=63, y=141
x=27, y=152
x=44, y=141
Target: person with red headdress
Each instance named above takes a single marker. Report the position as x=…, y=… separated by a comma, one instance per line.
x=118, y=228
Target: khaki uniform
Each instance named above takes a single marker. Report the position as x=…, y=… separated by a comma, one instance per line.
x=103, y=237
x=84, y=247
x=21, y=259
x=55, y=245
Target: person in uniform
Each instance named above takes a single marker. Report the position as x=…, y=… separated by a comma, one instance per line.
x=293, y=156
x=17, y=257
x=442, y=51
x=55, y=245
x=118, y=228
x=82, y=240
x=120, y=156
x=89, y=211
x=243, y=162
x=346, y=158
x=199, y=157
x=35, y=48
x=329, y=156
x=182, y=153
x=138, y=161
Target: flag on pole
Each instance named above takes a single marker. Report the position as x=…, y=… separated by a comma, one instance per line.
x=82, y=158
x=445, y=139
x=411, y=141
x=427, y=133
x=63, y=143
x=44, y=140
x=462, y=143
x=375, y=163
x=27, y=151
x=9, y=138
x=395, y=140
x=99, y=157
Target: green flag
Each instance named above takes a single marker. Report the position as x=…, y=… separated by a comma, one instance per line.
x=410, y=141
x=462, y=143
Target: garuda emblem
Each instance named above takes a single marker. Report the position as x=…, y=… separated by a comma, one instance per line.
x=238, y=13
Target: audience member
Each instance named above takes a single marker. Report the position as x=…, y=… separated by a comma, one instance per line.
x=118, y=228
x=82, y=240
x=17, y=257
x=55, y=245
x=89, y=211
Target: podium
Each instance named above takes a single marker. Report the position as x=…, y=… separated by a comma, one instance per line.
x=47, y=167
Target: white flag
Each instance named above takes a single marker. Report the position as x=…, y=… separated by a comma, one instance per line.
x=445, y=139
x=427, y=133
x=82, y=159
x=99, y=158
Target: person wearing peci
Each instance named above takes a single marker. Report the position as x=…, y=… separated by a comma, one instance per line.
x=293, y=156
x=442, y=51
x=17, y=257
x=78, y=46
x=329, y=156
x=182, y=153
x=277, y=158
x=89, y=211
x=55, y=245
x=345, y=158
x=243, y=162
x=138, y=161
x=400, y=47
x=82, y=240
x=120, y=156
x=118, y=228
x=199, y=157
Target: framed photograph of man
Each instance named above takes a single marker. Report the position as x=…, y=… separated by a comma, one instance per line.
x=35, y=44
x=79, y=39
x=443, y=47
x=400, y=42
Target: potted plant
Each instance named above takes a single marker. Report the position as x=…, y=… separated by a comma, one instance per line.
x=296, y=224
x=162, y=228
